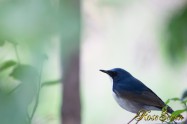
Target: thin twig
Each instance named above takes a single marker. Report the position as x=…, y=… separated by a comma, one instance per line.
x=37, y=95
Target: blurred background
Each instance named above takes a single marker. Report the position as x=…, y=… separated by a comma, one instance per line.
x=51, y=52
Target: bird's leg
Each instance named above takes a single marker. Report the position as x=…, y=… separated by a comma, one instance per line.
x=137, y=122
x=131, y=120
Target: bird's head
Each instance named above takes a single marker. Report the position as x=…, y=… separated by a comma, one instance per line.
x=117, y=74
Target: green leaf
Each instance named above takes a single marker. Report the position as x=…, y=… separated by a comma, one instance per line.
x=164, y=109
x=176, y=114
x=29, y=78
x=48, y=83
x=167, y=102
x=7, y=65
x=24, y=73
x=175, y=99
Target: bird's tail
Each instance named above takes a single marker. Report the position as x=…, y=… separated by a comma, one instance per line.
x=169, y=110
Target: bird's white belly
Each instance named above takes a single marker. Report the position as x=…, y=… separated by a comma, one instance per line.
x=125, y=104
x=131, y=106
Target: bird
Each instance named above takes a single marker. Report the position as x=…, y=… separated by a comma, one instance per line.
x=132, y=95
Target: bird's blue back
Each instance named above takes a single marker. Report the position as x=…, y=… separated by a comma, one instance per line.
x=129, y=84
x=125, y=81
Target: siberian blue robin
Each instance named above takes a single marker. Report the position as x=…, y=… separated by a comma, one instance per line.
x=131, y=94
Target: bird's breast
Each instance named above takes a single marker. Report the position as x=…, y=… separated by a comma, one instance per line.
x=126, y=104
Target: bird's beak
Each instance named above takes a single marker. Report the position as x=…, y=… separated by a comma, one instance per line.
x=109, y=72
x=104, y=71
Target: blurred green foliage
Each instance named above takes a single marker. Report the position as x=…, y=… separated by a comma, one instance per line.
x=28, y=25
x=27, y=20
x=7, y=64
x=14, y=104
x=20, y=85
x=177, y=113
x=176, y=42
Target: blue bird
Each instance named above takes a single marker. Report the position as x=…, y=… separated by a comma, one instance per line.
x=131, y=94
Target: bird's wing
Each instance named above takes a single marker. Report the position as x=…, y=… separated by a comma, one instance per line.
x=136, y=91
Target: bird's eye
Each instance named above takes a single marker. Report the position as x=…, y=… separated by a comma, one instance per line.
x=113, y=73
